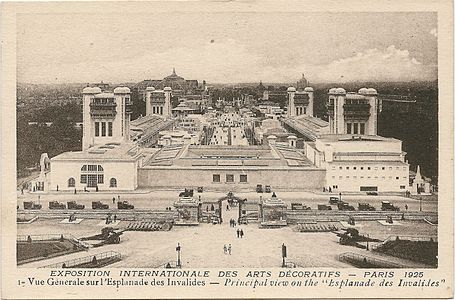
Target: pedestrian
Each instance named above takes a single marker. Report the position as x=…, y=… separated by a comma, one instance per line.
x=406, y=206
x=115, y=218
x=241, y=233
x=225, y=249
x=227, y=207
x=238, y=233
x=118, y=197
x=75, y=191
x=113, y=199
x=57, y=187
x=229, y=249
x=235, y=223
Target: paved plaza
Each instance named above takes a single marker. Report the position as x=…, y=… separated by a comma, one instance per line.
x=202, y=246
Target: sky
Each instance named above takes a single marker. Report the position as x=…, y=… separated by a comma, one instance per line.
x=227, y=47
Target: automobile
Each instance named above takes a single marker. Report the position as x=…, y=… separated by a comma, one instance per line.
x=124, y=205
x=56, y=205
x=345, y=206
x=366, y=207
x=387, y=206
x=334, y=200
x=200, y=189
x=99, y=205
x=74, y=205
x=31, y=205
x=324, y=207
x=268, y=189
x=187, y=193
x=259, y=188
x=299, y=206
x=372, y=193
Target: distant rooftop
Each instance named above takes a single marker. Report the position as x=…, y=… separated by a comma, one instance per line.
x=107, y=152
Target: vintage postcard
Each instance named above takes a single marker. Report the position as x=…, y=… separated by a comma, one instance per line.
x=239, y=149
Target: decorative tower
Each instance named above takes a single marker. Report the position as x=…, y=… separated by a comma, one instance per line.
x=167, y=110
x=291, y=106
x=106, y=116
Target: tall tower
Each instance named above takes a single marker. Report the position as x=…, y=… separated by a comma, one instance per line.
x=158, y=101
x=353, y=113
x=310, y=92
x=291, y=106
x=106, y=116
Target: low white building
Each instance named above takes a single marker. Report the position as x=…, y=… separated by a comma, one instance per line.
x=112, y=166
x=360, y=163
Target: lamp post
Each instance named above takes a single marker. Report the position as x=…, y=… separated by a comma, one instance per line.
x=284, y=254
x=178, y=255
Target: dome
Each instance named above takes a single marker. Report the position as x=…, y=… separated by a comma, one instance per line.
x=308, y=89
x=371, y=91
x=150, y=88
x=340, y=91
x=291, y=89
x=363, y=91
x=332, y=91
x=167, y=89
x=91, y=90
x=122, y=90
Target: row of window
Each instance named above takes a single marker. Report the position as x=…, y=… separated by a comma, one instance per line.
x=157, y=110
x=369, y=177
x=100, y=128
x=355, y=128
x=300, y=110
x=230, y=178
x=368, y=168
x=92, y=180
x=92, y=168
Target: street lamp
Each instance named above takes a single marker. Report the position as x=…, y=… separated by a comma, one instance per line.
x=284, y=254
x=178, y=255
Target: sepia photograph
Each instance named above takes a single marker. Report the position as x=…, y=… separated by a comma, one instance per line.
x=196, y=139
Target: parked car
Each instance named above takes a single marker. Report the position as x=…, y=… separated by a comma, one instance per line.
x=299, y=206
x=324, y=207
x=366, y=207
x=31, y=205
x=74, y=205
x=334, y=200
x=386, y=205
x=259, y=188
x=56, y=205
x=345, y=206
x=268, y=189
x=124, y=205
x=99, y=205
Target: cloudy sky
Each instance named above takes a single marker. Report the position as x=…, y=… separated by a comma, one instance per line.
x=227, y=47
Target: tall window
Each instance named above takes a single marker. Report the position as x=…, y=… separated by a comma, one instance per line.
x=103, y=128
x=356, y=128
x=113, y=182
x=348, y=128
x=362, y=128
x=109, y=128
x=97, y=128
x=71, y=182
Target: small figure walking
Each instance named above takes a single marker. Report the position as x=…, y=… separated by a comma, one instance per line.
x=225, y=249
x=238, y=233
x=227, y=207
x=115, y=218
x=229, y=249
x=113, y=199
x=241, y=233
x=406, y=206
